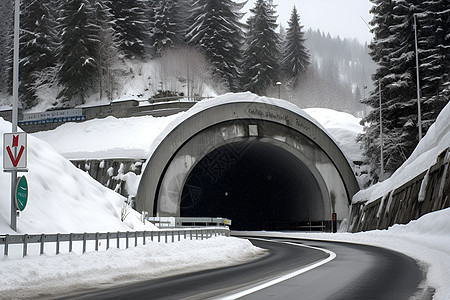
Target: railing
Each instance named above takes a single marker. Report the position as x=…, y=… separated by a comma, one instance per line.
x=177, y=222
x=118, y=238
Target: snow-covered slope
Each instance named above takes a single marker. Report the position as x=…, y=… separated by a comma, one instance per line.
x=424, y=156
x=61, y=197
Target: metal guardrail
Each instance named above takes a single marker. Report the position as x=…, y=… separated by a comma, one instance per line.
x=177, y=222
x=110, y=237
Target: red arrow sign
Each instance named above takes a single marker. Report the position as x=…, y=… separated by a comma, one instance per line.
x=15, y=160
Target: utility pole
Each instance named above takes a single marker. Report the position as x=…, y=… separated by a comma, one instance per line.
x=381, y=135
x=419, y=112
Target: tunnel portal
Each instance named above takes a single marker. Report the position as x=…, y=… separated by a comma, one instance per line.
x=263, y=163
x=255, y=184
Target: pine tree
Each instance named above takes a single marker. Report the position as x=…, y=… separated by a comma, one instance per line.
x=107, y=52
x=295, y=56
x=393, y=49
x=131, y=25
x=6, y=42
x=260, y=60
x=80, y=42
x=167, y=30
x=37, y=47
x=216, y=29
x=434, y=57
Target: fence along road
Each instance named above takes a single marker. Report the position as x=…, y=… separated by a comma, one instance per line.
x=83, y=242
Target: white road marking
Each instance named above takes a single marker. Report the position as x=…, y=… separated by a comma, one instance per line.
x=284, y=277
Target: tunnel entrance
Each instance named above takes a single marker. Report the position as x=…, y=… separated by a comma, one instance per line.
x=258, y=185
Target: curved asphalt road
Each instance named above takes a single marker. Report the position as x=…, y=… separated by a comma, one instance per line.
x=357, y=272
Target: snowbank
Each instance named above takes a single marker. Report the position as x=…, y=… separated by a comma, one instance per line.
x=343, y=127
x=106, y=138
x=55, y=275
x=424, y=156
x=61, y=197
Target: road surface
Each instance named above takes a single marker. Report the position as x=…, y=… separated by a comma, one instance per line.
x=293, y=269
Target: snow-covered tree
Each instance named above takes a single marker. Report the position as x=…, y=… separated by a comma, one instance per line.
x=260, y=60
x=6, y=42
x=131, y=26
x=295, y=56
x=37, y=46
x=393, y=49
x=217, y=30
x=78, y=51
x=167, y=30
x=107, y=51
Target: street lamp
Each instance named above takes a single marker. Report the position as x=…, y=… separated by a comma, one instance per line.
x=381, y=135
x=419, y=120
x=279, y=89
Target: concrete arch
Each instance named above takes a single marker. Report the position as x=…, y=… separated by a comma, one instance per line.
x=250, y=134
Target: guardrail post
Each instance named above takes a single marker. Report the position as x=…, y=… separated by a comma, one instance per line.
x=165, y=235
x=184, y=234
x=57, y=243
x=159, y=236
x=25, y=244
x=118, y=240
x=126, y=235
x=70, y=242
x=135, y=238
x=84, y=242
x=5, y=251
x=190, y=231
x=179, y=235
x=41, y=252
x=173, y=233
x=96, y=241
x=151, y=236
x=143, y=237
x=107, y=240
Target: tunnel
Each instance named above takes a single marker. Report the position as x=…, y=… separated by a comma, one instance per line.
x=263, y=163
x=264, y=187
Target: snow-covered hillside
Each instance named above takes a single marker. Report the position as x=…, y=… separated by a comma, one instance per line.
x=61, y=197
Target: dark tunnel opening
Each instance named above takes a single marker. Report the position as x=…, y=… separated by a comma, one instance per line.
x=259, y=186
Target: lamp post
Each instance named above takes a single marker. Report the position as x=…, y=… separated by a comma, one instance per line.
x=419, y=112
x=279, y=89
x=381, y=135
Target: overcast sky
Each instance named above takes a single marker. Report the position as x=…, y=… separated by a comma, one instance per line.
x=338, y=17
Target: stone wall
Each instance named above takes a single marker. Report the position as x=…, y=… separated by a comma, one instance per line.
x=427, y=192
x=118, y=175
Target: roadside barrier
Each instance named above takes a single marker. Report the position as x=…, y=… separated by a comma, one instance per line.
x=117, y=239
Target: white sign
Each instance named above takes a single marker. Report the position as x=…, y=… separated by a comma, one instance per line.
x=15, y=151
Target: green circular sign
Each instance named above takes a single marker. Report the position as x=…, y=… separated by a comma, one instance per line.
x=21, y=193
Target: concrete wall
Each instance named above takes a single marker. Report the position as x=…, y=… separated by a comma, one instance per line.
x=402, y=205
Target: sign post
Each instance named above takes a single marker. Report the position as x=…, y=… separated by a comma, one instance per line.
x=15, y=108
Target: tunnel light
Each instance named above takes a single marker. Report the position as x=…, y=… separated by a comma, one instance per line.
x=253, y=130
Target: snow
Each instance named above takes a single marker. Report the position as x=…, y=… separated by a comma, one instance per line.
x=424, y=156
x=62, y=198
x=65, y=199
x=106, y=138
x=54, y=275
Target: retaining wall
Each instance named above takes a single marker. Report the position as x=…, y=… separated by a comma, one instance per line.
x=113, y=173
x=404, y=204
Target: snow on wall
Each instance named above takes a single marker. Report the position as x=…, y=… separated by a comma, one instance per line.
x=424, y=156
